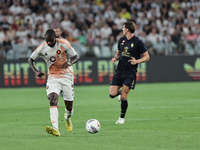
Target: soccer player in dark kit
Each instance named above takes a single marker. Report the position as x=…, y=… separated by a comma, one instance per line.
x=131, y=52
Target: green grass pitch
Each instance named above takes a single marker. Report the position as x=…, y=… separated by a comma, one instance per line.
x=160, y=116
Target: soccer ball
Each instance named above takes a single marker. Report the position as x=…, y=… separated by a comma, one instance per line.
x=92, y=126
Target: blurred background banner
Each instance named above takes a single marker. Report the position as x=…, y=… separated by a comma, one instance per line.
x=173, y=69
x=95, y=71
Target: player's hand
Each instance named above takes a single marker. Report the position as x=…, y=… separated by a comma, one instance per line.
x=39, y=73
x=65, y=65
x=133, y=61
x=113, y=60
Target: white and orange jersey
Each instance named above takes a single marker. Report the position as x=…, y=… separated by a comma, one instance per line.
x=68, y=57
x=55, y=56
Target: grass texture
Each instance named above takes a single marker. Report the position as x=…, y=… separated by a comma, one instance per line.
x=160, y=116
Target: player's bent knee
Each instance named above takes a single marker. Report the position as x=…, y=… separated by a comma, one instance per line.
x=53, y=98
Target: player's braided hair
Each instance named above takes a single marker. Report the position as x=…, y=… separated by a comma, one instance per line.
x=50, y=33
x=130, y=25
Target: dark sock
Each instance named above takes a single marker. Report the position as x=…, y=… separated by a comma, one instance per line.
x=124, y=106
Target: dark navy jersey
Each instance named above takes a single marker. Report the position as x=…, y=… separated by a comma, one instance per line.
x=130, y=48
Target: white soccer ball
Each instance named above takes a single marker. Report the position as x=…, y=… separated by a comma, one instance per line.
x=92, y=126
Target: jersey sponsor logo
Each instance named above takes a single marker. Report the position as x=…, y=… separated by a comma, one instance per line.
x=125, y=52
x=126, y=49
x=52, y=58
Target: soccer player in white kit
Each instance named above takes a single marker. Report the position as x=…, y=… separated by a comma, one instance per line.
x=55, y=53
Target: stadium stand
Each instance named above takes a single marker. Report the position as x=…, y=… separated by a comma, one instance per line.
x=167, y=27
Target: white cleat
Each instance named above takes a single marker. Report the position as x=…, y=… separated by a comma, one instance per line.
x=120, y=121
x=119, y=98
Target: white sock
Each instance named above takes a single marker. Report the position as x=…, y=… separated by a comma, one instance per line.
x=68, y=113
x=54, y=116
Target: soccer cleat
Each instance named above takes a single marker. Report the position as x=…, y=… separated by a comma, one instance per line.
x=120, y=121
x=119, y=98
x=68, y=123
x=52, y=130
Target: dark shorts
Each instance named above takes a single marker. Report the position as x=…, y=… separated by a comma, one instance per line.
x=124, y=77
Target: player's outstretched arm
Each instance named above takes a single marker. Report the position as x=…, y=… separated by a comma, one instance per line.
x=73, y=61
x=37, y=72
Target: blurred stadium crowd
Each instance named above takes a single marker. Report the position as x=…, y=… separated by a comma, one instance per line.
x=94, y=26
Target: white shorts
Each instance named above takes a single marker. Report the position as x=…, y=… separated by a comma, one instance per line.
x=57, y=84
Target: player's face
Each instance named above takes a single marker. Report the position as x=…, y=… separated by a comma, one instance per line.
x=57, y=31
x=50, y=41
x=125, y=31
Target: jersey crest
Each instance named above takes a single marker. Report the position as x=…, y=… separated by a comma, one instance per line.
x=58, y=51
x=132, y=45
